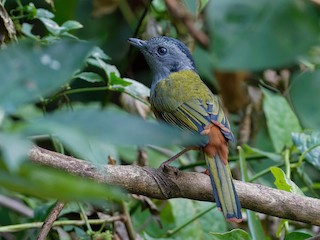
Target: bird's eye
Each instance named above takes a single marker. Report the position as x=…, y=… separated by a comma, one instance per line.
x=162, y=51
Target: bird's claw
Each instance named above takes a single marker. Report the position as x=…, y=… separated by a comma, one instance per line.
x=167, y=169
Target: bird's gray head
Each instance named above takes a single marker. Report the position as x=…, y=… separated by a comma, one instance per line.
x=164, y=55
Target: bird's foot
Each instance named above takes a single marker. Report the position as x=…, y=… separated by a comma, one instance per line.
x=206, y=172
x=167, y=169
x=165, y=177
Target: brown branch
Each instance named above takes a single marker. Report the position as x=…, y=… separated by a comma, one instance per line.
x=316, y=2
x=51, y=218
x=178, y=11
x=189, y=185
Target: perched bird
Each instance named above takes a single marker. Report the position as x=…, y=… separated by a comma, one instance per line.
x=178, y=96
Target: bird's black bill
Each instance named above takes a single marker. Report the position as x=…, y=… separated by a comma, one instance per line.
x=137, y=42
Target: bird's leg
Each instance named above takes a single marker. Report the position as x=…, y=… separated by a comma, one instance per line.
x=167, y=162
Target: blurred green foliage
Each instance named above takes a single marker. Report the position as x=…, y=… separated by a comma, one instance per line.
x=69, y=79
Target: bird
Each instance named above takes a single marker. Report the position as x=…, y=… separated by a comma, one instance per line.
x=179, y=97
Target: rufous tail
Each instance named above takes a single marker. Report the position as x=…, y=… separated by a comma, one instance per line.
x=223, y=189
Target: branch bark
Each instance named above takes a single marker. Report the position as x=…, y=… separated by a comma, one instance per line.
x=51, y=218
x=189, y=185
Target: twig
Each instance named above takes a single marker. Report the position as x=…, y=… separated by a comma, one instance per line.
x=144, y=14
x=85, y=218
x=16, y=206
x=48, y=223
x=23, y=226
x=128, y=222
x=127, y=13
x=189, y=185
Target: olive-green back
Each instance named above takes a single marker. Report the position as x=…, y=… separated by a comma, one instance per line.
x=183, y=99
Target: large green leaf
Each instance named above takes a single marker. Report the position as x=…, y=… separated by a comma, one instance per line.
x=261, y=34
x=183, y=210
x=159, y=222
x=50, y=183
x=83, y=129
x=281, y=120
x=305, y=97
x=195, y=219
x=30, y=71
x=309, y=142
x=14, y=149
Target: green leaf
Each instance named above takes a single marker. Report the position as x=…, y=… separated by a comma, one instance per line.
x=107, y=68
x=117, y=82
x=71, y=25
x=255, y=226
x=97, y=58
x=235, y=234
x=153, y=230
x=50, y=183
x=305, y=97
x=40, y=212
x=114, y=126
x=251, y=150
x=83, y=130
x=31, y=71
x=89, y=77
x=194, y=219
x=148, y=237
x=136, y=89
x=308, y=143
x=297, y=236
x=99, y=53
x=31, y=10
x=51, y=26
x=246, y=36
x=282, y=182
x=14, y=149
x=207, y=220
x=43, y=13
x=183, y=210
x=281, y=120
x=159, y=6
x=203, y=4
x=281, y=227
x=27, y=31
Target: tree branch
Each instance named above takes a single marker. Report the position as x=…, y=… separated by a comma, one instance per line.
x=189, y=185
x=51, y=218
x=178, y=11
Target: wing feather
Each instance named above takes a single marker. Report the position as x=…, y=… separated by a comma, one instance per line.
x=183, y=99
